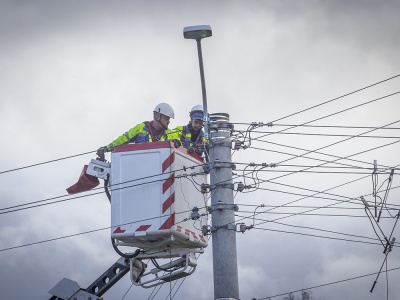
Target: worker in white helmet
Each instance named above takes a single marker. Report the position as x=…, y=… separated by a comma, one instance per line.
x=192, y=135
x=145, y=132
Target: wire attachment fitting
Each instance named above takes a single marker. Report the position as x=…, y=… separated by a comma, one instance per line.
x=194, y=215
x=243, y=227
x=364, y=201
x=240, y=187
x=204, y=188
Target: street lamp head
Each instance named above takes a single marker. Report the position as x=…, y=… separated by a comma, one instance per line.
x=197, y=32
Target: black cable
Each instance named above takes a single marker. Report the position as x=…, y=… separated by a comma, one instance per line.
x=326, y=284
x=86, y=232
x=87, y=195
x=323, y=230
x=46, y=162
x=308, y=171
x=318, y=236
x=125, y=255
x=341, y=111
x=307, y=214
x=337, y=98
x=329, y=135
x=328, y=126
x=334, y=160
x=272, y=166
x=316, y=152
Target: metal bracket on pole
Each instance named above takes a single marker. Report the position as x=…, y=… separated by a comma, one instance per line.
x=224, y=185
x=228, y=227
x=224, y=206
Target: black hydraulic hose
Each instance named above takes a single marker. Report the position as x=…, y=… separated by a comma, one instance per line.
x=137, y=252
x=125, y=255
x=106, y=187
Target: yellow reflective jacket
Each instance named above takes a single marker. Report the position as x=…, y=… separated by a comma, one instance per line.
x=184, y=135
x=141, y=133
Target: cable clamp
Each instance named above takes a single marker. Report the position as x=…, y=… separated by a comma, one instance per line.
x=194, y=215
x=223, y=206
x=205, y=188
x=243, y=227
x=228, y=227
x=364, y=201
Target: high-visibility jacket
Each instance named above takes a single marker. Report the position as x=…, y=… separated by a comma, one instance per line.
x=141, y=133
x=184, y=135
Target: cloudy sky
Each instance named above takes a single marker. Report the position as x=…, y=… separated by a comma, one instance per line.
x=76, y=74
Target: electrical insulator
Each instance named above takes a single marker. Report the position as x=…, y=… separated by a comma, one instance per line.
x=205, y=230
x=195, y=213
x=238, y=144
x=206, y=168
x=204, y=188
x=217, y=164
x=240, y=187
x=242, y=227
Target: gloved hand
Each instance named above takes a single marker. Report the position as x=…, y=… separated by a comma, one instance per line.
x=177, y=143
x=100, y=152
x=190, y=149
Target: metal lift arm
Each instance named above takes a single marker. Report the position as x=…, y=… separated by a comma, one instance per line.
x=67, y=289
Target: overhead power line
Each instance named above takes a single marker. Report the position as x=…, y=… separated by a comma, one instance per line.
x=341, y=111
x=337, y=98
x=46, y=162
x=318, y=236
x=336, y=126
x=318, y=126
x=325, y=284
x=316, y=152
x=328, y=134
x=87, y=232
x=34, y=204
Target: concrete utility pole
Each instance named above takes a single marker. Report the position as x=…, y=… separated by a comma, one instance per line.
x=226, y=284
x=218, y=132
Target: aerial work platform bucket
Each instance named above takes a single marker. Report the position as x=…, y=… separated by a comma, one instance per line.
x=154, y=188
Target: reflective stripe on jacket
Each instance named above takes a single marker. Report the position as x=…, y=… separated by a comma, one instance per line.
x=141, y=133
x=184, y=135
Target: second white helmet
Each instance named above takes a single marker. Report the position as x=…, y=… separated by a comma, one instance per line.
x=197, y=108
x=165, y=109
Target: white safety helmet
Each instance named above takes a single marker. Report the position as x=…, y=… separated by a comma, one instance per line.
x=165, y=109
x=196, y=112
x=196, y=108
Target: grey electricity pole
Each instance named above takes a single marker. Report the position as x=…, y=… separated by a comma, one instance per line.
x=218, y=132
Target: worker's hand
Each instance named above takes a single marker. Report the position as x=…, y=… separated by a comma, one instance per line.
x=177, y=143
x=190, y=149
x=100, y=152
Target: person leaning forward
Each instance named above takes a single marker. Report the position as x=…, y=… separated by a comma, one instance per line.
x=146, y=132
x=192, y=135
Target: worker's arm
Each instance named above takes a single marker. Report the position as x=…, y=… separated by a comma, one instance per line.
x=175, y=135
x=127, y=137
